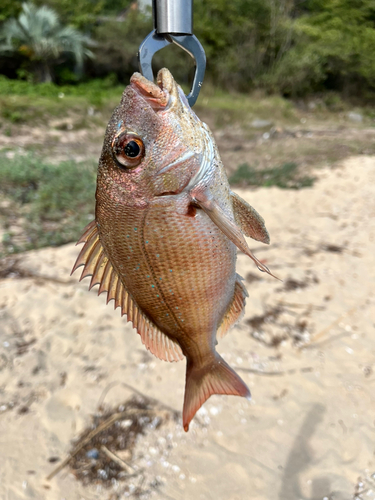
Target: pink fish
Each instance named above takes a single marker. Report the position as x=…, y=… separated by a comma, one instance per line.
x=164, y=240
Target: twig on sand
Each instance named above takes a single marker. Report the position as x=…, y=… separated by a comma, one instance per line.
x=259, y=372
x=12, y=266
x=274, y=374
x=136, y=391
x=121, y=463
x=104, y=425
x=107, y=423
x=306, y=306
x=325, y=330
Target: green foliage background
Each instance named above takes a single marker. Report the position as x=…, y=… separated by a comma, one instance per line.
x=284, y=46
x=54, y=201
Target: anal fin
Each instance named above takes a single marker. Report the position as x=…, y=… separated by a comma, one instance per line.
x=235, y=310
x=96, y=264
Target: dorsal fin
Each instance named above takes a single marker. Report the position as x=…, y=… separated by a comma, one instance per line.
x=248, y=219
x=235, y=309
x=97, y=265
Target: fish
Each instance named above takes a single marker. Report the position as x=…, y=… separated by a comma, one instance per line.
x=164, y=241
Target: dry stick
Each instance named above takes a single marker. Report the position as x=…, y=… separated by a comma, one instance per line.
x=26, y=273
x=117, y=460
x=133, y=389
x=317, y=345
x=293, y=304
x=105, y=392
x=327, y=329
x=107, y=423
x=45, y=278
x=258, y=372
x=51, y=278
x=306, y=369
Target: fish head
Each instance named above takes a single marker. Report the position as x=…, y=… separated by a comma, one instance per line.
x=154, y=143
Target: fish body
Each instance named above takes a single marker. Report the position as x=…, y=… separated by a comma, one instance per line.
x=164, y=240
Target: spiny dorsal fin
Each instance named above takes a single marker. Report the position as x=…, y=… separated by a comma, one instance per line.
x=235, y=310
x=248, y=219
x=97, y=265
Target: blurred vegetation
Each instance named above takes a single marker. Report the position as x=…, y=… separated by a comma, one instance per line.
x=51, y=203
x=285, y=176
x=96, y=89
x=48, y=204
x=39, y=36
x=22, y=102
x=282, y=46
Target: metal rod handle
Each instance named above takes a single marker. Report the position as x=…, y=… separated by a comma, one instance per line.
x=173, y=16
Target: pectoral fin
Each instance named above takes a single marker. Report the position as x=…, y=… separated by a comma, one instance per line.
x=229, y=227
x=248, y=219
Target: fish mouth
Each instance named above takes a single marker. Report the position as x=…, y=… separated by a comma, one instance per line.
x=158, y=96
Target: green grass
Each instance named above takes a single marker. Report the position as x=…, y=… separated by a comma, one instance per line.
x=228, y=107
x=50, y=203
x=23, y=102
x=93, y=91
x=45, y=204
x=285, y=176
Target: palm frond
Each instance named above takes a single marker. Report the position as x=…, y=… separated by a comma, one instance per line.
x=39, y=29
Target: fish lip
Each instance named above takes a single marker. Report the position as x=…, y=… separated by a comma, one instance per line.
x=157, y=96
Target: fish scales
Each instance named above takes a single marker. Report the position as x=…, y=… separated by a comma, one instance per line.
x=182, y=297
x=166, y=231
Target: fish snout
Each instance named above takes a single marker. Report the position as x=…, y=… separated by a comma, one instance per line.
x=158, y=97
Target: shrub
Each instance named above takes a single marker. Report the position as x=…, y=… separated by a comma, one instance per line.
x=54, y=202
x=285, y=176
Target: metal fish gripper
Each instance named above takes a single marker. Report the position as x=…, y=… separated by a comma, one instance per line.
x=173, y=23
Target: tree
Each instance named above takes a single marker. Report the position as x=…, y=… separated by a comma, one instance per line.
x=9, y=8
x=332, y=48
x=38, y=34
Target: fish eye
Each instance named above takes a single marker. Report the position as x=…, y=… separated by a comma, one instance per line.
x=132, y=149
x=128, y=149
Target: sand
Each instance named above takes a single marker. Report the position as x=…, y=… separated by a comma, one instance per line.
x=305, y=347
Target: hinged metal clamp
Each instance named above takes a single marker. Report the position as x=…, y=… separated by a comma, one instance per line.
x=173, y=23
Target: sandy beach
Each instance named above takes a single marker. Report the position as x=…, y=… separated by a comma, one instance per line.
x=305, y=347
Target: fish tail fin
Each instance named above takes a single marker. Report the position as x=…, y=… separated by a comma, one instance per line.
x=213, y=377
